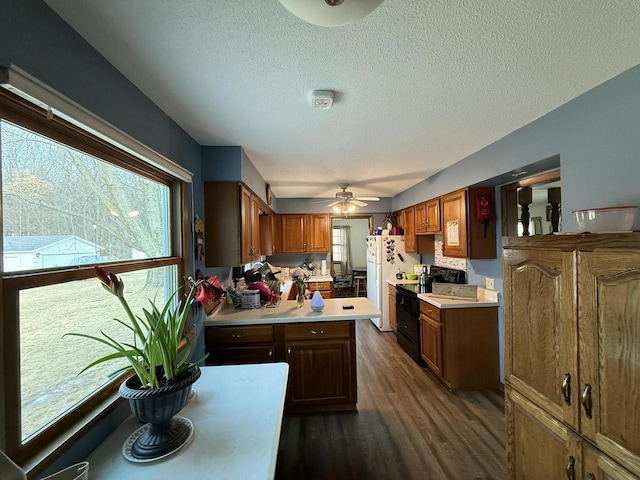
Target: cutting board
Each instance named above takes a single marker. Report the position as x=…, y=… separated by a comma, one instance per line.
x=455, y=291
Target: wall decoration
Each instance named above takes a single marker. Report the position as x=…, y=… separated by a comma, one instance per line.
x=198, y=229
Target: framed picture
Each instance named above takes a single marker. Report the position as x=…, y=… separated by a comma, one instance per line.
x=268, y=194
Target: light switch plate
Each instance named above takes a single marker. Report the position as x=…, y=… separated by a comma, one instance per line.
x=490, y=283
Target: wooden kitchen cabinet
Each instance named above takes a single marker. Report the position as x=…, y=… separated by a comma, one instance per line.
x=231, y=345
x=232, y=224
x=460, y=345
x=400, y=221
x=428, y=217
x=392, y=308
x=294, y=233
x=305, y=233
x=410, y=230
x=421, y=218
x=276, y=233
x=541, y=446
x=431, y=343
x=464, y=236
x=576, y=351
x=325, y=288
x=319, y=232
x=321, y=359
x=432, y=213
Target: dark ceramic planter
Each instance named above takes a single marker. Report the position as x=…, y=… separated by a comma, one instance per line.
x=157, y=407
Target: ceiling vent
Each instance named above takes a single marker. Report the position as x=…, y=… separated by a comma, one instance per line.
x=322, y=99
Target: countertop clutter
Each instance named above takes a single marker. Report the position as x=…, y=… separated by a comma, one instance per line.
x=287, y=311
x=237, y=415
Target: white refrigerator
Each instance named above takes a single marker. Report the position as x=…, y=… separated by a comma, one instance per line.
x=385, y=255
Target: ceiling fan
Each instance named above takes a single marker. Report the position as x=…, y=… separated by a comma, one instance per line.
x=345, y=201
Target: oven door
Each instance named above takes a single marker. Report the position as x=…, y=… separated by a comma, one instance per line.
x=408, y=314
x=408, y=321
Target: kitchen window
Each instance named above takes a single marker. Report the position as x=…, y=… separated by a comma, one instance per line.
x=71, y=201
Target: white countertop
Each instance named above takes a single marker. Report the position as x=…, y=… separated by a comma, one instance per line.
x=237, y=415
x=486, y=298
x=318, y=278
x=395, y=282
x=288, y=312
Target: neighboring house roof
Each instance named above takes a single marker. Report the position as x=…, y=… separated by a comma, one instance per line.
x=31, y=243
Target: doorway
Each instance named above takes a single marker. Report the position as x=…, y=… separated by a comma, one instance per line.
x=348, y=250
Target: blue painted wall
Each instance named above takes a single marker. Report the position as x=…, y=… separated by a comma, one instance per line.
x=596, y=134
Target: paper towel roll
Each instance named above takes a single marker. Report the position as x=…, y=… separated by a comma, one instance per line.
x=323, y=267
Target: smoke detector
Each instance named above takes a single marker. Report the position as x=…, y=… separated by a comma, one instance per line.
x=322, y=99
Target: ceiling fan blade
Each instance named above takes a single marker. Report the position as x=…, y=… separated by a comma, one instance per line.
x=358, y=203
x=321, y=201
x=368, y=199
x=333, y=203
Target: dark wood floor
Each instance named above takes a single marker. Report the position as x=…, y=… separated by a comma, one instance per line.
x=407, y=426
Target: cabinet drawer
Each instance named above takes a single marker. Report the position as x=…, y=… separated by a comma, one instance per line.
x=241, y=355
x=430, y=311
x=241, y=335
x=322, y=286
x=317, y=331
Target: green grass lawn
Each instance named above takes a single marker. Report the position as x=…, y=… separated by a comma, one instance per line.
x=50, y=363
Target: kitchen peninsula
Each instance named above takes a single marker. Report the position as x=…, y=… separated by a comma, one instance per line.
x=319, y=347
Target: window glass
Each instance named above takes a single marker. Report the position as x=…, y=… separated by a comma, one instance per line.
x=62, y=207
x=336, y=244
x=48, y=313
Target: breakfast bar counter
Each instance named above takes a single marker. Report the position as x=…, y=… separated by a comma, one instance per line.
x=287, y=311
x=237, y=414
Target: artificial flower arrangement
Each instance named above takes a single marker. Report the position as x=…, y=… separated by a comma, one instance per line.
x=155, y=353
x=299, y=276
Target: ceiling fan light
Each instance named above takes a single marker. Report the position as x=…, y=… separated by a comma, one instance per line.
x=336, y=209
x=351, y=208
x=330, y=13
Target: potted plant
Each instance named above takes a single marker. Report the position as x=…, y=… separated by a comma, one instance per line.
x=163, y=377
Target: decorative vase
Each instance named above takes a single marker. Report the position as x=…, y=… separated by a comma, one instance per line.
x=300, y=298
x=317, y=302
x=157, y=406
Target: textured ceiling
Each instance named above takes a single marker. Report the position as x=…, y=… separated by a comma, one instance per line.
x=420, y=84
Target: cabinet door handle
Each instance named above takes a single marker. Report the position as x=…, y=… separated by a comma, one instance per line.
x=288, y=350
x=313, y=332
x=566, y=388
x=270, y=354
x=587, y=401
x=238, y=335
x=571, y=468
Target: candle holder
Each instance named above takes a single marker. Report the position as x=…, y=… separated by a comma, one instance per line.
x=524, y=199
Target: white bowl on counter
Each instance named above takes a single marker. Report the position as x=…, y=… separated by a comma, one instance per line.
x=608, y=219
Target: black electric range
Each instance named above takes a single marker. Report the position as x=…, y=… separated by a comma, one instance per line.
x=408, y=307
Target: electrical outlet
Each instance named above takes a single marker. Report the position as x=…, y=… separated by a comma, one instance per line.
x=490, y=283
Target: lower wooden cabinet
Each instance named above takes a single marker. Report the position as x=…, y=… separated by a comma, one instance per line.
x=460, y=345
x=325, y=288
x=540, y=446
x=239, y=345
x=321, y=357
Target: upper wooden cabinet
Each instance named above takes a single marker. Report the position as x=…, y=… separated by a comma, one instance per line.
x=572, y=338
x=432, y=213
x=421, y=217
x=428, y=217
x=232, y=224
x=320, y=232
x=410, y=230
x=463, y=235
x=304, y=233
